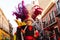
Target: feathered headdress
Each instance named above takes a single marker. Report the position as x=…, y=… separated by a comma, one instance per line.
x=22, y=12
x=36, y=11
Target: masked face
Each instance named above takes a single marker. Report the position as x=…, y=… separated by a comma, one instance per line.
x=29, y=22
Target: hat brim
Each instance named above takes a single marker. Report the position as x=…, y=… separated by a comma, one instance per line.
x=29, y=20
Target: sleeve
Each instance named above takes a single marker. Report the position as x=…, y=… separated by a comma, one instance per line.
x=36, y=33
x=18, y=31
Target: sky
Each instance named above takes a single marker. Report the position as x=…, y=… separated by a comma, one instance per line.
x=8, y=6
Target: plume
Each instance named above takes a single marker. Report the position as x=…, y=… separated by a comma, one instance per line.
x=22, y=12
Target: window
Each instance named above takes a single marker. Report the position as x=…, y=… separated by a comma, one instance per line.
x=52, y=17
x=43, y=24
x=53, y=14
x=58, y=6
x=46, y=21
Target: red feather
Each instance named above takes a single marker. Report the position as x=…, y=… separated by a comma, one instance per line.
x=36, y=11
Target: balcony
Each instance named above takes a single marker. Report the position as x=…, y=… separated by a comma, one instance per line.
x=51, y=22
x=45, y=24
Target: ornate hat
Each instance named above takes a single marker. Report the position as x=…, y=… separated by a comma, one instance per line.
x=29, y=19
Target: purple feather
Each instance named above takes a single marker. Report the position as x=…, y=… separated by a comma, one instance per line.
x=22, y=12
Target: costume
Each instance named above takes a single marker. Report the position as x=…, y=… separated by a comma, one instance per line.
x=29, y=33
x=18, y=34
x=21, y=25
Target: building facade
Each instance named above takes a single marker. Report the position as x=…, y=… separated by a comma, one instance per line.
x=44, y=3
x=51, y=21
x=4, y=35
x=4, y=26
x=11, y=31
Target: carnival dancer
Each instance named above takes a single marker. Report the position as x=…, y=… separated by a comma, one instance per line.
x=30, y=33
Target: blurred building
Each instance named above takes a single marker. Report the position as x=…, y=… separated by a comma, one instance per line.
x=11, y=31
x=44, y=3
x=4, y=27
x=50, y=19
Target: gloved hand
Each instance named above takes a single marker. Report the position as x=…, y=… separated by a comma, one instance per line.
x=23, y=31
